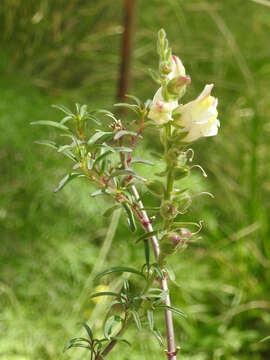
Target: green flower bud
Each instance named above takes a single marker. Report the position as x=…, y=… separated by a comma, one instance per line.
x=168, y=210
x=156, y=187
x=165, y=67
x=169, y=244
x=180, y=172
x=177, y=85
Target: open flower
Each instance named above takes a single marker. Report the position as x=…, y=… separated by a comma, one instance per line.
x=199, y=117
x=161, y=110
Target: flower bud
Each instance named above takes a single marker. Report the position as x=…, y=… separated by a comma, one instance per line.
x=169, y=244
x=177, y=85
x=155, y=187
x=167, y=209
x=165, y=67
x=180, y=172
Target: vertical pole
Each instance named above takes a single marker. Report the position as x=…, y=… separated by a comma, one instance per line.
x=129, y=21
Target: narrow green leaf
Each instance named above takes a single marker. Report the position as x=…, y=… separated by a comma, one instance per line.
x=102, y=156
x=150, y=317
x=63, y=108
x=80, y=345
x=122, y=149
x=147, y=235
x=179, y=224
x=110, y=210
x=64, y=147
x=136, y=319
x=50, y=123
x=146, y=252
x=88, y=330
x=158, y=336
x=99, y=135
x=112, y=320
x=121, y=133
x=158, y=270
x=49, y=143
x=130, y=217
x=83, y=110
x=137, y=100
x=99, y=192
x=118, y=269
x=127, y=172
x=143, y=161
x=66, y=180
x=103, y=293
x=132, y=107
x=116, y=338
x=73, y=343
x=172, y=309
x=265, y=338
x=65, y=119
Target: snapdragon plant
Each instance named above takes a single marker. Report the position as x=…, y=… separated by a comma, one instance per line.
x=105, y=157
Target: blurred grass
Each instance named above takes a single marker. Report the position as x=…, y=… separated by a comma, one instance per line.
x=54, y=52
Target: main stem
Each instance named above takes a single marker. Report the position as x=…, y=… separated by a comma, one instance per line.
x=171, y=353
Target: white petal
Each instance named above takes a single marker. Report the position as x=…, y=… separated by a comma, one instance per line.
x=206, y=92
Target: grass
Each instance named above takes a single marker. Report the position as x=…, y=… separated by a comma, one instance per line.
x=50, y=243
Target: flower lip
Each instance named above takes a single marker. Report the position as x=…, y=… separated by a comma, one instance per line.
x=199, y=117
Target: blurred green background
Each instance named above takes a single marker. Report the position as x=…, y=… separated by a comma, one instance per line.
x=62, y=52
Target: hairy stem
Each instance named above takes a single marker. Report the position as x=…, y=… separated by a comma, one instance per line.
x=171, y=353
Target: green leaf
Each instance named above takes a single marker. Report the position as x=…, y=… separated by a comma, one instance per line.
x=99, y=192
x=147, y=235
x=127, y=172
x=118, y=269
x=73, y=343
x=83, y=111
x=104, y=293
x=158, y=336
x=116, y=338
x=155, y=76
x=172, y=309
x=66, y=180
x=88, y=330
x=122, y=149
x=65, y=119
x=121, y=133
x=132, y=107
x=143, y=161
x=64, y=147
x=136, y=319
x=63, y=108
x=130, y=216
x=137, y=100
x=150, y=317
x=99, y=135
x=50, y=123
x=102, y=156
x=158, y=271
x=112, y=320
x=146, y=252
x=110, y=210
x=156, y=187
x=265, y=338
x=49, y=143
x=79, y=345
